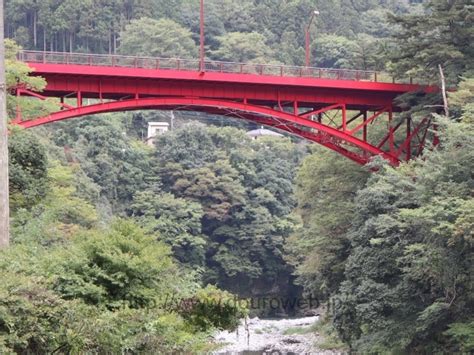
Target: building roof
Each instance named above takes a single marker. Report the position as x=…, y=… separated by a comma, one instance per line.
x=263, y=132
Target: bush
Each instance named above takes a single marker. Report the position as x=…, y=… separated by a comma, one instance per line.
x=116, y=268
x=34, y=319
x=212, y=308
x=99, y=292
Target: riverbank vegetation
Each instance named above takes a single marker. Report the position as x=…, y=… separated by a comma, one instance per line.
x=393, y=255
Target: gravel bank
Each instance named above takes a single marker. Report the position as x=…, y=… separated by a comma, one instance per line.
x=268, y=336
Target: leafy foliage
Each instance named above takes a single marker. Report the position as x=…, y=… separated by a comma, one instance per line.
x=245, y=191
x=58, y=215
x=442, y=38
x=407, y=276
x=17, y=74
x=28, y=169
x=393, y=252
x=99, y=291
x=243, y=48
x=213, y=308
x=176, y=220
x=121, y=268
x=115, y=163
x=157, y=38
x=319, y=247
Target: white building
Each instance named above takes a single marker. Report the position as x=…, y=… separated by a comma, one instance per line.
x=155, y=129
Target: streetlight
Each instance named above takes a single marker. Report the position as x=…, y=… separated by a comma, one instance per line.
x=201, y=49
x=315, y=13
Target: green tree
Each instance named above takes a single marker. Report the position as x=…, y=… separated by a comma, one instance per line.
x=176, y=221
x=18, y=75
x=111, y=290
x=440, y=36
x=243, y=48
x=332, y=51
x=462, y=100
x=27, y=169
x=118, y=164
x=319, y=247
x=246, y=193
x=58, y=215
x=122, y=267
x=408, y=274
x=157, y=38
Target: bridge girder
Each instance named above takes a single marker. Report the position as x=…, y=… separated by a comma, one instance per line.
x=355, y=117
x=311, y=127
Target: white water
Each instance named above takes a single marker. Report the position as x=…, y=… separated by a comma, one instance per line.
x=268, y=336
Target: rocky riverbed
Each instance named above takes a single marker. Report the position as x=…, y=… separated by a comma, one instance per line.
x=272, y=336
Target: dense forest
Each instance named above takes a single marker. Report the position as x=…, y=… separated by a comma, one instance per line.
x=349, y=33
x=106, y=228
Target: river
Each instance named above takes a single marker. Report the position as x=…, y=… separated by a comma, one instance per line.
x=272, y=336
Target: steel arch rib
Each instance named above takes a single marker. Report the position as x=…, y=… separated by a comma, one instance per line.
x=155, y=103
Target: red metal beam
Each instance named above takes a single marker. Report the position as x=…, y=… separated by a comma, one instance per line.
x=215, y=105
x=421, y=147
x=369, y=120
x=361, y=159
x=21, y=91
x=318, y=111
x=113, y=78
x=352, y=119
x=387, y=136
x=408, y=140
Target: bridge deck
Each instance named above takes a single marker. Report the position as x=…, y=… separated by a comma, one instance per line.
x=117, y=77
x=194, y=65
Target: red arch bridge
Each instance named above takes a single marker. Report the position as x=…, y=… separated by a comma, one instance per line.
x=349, y=111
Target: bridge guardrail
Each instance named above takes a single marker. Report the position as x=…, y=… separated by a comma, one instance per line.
x=194, y=65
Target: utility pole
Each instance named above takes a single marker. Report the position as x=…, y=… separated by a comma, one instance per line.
x=443, y=90
x=307, y=39
x=4, y=197
x=201, y=38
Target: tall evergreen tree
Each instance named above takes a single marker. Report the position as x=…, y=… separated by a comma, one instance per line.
x=442, y=35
